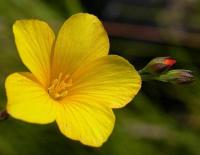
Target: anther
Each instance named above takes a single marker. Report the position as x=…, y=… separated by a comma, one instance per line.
x=59, y=87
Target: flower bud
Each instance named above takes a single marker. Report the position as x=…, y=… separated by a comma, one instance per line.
x=178, y=76
x=159, y=65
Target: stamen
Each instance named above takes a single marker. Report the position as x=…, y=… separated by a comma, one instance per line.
x=59, y=87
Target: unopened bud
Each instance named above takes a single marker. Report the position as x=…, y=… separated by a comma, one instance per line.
x=159, y=65
x=178, y=76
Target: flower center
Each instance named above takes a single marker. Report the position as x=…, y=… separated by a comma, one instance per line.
x=59, y=86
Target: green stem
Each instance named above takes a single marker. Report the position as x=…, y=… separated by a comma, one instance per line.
x=146, y=76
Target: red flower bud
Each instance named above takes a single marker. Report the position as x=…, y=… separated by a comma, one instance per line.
x=169, y=62
x=159, y=65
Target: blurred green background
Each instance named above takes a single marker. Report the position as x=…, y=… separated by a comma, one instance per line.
x=163, y=119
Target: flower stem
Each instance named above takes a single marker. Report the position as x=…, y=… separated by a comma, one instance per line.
x=146, y=76
x=3, y=115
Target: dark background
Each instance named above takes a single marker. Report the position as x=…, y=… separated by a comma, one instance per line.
x=163, y=119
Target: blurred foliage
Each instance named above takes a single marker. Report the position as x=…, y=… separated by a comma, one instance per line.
x=163, y=119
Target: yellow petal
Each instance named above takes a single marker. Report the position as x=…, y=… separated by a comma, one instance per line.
x=34, y=40
x=89, y=123
x=110, y=80
x=28, y=101
x=81, y=39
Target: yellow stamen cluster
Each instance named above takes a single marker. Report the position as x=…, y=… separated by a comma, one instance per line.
x=59, y=87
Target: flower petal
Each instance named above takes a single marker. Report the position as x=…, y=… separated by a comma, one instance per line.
x=91, y=123
x=28, y=101
x=81, y=39
x=34, y=40
x=110, y=80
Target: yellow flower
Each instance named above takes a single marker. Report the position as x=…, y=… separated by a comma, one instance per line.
x=73, y=80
